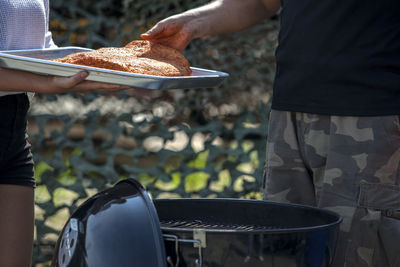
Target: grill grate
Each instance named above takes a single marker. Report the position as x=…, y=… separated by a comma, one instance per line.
x=198, y=224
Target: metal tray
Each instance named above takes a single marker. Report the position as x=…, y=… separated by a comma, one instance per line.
x=38, y=61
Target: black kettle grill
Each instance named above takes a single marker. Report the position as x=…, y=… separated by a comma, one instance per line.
x=123, y=227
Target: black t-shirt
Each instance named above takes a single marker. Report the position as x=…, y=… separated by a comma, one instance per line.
x=339, y=57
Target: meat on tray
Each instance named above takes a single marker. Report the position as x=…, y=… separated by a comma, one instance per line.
x=142, y=57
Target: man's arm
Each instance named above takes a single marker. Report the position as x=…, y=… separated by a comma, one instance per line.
x=225, y=16
x=221, y=16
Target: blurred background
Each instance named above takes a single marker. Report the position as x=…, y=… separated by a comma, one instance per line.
x=207, y=142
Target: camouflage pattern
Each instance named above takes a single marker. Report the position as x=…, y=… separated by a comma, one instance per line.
x=349, y=165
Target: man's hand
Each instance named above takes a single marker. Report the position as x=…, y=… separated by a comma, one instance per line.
x=176, y=32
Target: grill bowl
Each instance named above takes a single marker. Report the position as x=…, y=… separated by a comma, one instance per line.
x=122, y=226
x=234, y=232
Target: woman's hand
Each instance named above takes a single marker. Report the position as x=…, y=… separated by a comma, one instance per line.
x=75, y=83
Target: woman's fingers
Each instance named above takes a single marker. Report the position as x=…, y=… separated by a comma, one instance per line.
x=70, y=82
x=78, y=83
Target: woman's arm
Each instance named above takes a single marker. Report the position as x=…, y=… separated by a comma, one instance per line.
x=22, y=81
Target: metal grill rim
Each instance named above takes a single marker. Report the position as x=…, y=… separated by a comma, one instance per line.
x=199, y=224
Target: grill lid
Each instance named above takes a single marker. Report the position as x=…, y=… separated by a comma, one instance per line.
x=116, y=227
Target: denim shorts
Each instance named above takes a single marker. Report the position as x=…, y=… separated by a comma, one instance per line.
x=16, y=162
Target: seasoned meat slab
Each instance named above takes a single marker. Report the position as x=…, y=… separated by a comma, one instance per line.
x=141, y=57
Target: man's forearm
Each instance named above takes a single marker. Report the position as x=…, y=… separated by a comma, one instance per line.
x=225, y=16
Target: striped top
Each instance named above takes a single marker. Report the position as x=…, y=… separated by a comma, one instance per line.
x=24, y=24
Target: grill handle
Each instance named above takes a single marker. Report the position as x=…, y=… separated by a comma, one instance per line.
x=177, y=240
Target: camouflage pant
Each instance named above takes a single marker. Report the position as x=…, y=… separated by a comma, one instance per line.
x=349, y=165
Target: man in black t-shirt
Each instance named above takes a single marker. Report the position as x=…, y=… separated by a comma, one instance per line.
x=334, y=130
